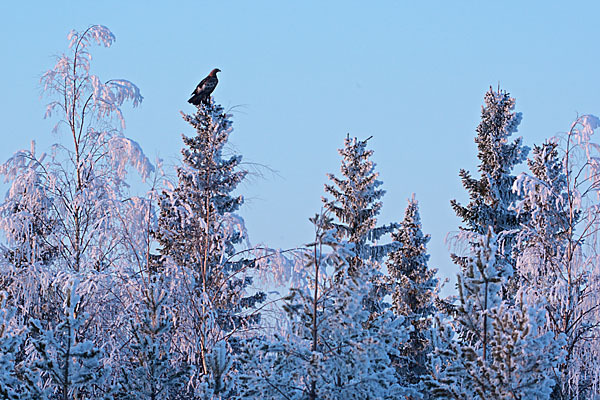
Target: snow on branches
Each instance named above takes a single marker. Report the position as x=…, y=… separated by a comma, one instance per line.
x=489, y=348
x=87, y=310
x=201, y=237
x=332, y=348
x=67, y=215
x=81, y=95
x=557, y=246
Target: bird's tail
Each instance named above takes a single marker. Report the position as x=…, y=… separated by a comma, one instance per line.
x=195, y=100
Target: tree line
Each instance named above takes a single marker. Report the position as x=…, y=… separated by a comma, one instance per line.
x=108, y=294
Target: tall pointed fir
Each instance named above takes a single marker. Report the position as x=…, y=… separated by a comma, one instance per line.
x=356, y=202
x=413, y=287
x=200, y=237
x=492, y=349
x=491, y=196
x=330, y=349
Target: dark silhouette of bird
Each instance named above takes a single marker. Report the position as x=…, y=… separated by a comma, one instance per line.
x=206, y=86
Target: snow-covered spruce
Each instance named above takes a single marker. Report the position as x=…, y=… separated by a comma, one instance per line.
x=150, y=374
x=491, y=196
x=490, y=348
x=414, y=288
x=356, y=202
x=200, y=237
x=68, y=366
x=11, y=387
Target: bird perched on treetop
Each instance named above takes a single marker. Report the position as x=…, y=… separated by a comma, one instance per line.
x=206, y=86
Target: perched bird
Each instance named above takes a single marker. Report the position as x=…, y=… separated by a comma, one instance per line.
x=206, y=86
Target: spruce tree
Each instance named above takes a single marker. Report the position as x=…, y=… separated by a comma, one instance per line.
x=68, y=366
x=10, y=340
x=501, y=350
x=413, y=287
x=151, y=374
x=543, y=238
x=200, y=237
x=491, y=196
x=27, y=220
x=356, y=202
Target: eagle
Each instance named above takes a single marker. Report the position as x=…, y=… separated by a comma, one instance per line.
x=206, y=86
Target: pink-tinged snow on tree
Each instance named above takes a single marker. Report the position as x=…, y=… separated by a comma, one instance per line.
x=62, y=206
x=558, y=256
x=201, y=242
x=491, y=348
x=90, y=179
x=69, y=213
x=330, y=347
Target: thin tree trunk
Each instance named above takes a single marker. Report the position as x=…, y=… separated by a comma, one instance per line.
x=313, y=384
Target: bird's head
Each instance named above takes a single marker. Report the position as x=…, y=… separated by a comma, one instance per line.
x=214, y=71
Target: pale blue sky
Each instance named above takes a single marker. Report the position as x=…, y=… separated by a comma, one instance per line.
x=301, y=75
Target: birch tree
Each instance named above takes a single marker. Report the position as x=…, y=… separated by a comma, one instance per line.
x=558, y=250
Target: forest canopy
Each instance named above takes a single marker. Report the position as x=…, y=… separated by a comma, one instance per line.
x=116, y=290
